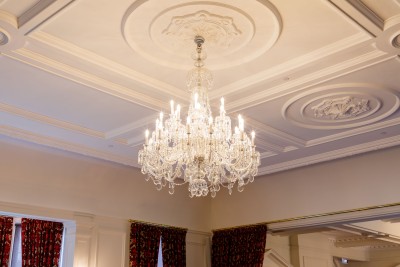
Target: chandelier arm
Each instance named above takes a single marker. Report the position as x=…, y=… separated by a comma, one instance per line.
x=205, y=153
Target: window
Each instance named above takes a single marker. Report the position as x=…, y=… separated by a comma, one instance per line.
x=36, y=232
x=16, y=250
x=160, y=263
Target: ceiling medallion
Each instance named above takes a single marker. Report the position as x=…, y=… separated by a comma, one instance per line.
x=341, y=108
x=217, y=30
x=204, y=152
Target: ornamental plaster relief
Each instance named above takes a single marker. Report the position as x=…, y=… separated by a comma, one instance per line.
x=341, y=108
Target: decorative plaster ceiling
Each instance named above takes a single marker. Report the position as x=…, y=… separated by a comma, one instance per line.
x=316, y=80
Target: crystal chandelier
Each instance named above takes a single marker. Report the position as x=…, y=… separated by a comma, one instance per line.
x=204, y=152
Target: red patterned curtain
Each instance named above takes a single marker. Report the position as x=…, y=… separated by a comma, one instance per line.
x=144, y=243
x=174, y=247
x=243, y=247
x=41, y=243
x=6, y=227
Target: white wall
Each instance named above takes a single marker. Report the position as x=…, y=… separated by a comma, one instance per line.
x=359, y=181
x=100, y=197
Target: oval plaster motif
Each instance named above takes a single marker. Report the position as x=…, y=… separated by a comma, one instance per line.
x=341, y=106
x=236, y=32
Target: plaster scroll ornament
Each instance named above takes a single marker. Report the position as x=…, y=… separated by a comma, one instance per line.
x=341, y=108
x=217, y=30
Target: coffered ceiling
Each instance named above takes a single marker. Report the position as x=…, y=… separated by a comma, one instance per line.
x=316, y=79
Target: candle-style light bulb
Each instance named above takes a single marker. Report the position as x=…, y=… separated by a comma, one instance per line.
x=178, y=110
x=172, y=106
x=241, y=123
x=253, y=134
x=222, y=107
x=146, y=133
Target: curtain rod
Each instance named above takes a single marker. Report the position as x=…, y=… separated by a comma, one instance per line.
x=314, y=216
x=158, y=224
x=239, y=226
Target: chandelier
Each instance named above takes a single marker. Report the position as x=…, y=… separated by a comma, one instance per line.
x=203, y=152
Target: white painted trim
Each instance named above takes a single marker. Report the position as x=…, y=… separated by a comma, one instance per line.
x=307, y=81
x=62, y=145
x=335, y=154
x=291, y=65
x=87, y=79
x=104, y=63
x=340, y=218
x=270, y=253
x=50, y=121
x=39, y=13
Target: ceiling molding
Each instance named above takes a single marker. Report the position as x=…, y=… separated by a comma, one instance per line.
x=353, y=132
x=312, y=79
x=114, y=133
x=50, y=121
x=291, y=66
x=77, y=75
x=66, y=146
x=358, y=12
x=331, y=155
x=39, y=13
x=280, y=135
x=71, y=50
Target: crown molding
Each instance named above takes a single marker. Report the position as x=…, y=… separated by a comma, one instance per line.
x=268, y=130
x=290, y=66
x=49, y=121
x=313, y=79
x=20, y=134
x=71, y=50
x=354, y=132
x=361, y=14
x=112, y=134
x=87, y=79
x=42, y=11
x=331, y=155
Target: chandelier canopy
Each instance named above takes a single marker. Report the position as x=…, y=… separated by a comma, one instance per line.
x=204, y=152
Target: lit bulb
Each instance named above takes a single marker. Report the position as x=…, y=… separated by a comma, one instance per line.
x=172, y=106
x=146, y=133
x=241, y=123
x=222, y=107
x=253, y=134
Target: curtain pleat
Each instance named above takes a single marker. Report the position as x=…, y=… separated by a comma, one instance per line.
x=144, y=244
x=6, y=227
x=41, y=243
x=244, y=246
x=173, y=247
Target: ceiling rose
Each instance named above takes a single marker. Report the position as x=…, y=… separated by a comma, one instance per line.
x=340, y=106
x=236, y=32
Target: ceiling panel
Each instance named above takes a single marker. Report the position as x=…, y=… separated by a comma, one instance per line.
x=316, y=79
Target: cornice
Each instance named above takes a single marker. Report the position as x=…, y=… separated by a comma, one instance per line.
x=50, y=121
x=109, y=65
x=313, y=79
x=74, y=74
x=67, y=146
x=335, y=154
